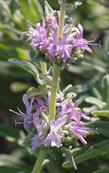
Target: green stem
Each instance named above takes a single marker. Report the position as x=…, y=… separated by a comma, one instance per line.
x=61, y=20
x=56, y=73
x=38, y=165
x=55, y=80
x=56, y=69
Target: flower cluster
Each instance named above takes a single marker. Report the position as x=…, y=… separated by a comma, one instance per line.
x=67, y=125
x=43, y=37
x=53, y=119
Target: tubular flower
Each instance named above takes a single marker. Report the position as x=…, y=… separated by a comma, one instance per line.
x=38, y=36
x=43, y=37
x=77, y=128
x=79, y=42
x=52, y=133
x=54, y=137
x=39, y=137
x=68, y=109
x=34, y=108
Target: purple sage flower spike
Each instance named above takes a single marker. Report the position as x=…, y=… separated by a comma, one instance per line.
x=44, y=38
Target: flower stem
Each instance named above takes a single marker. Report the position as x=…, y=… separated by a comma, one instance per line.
x=52, y=107
x=56, y=73
x=61, y=20
x=56, y=69
x=38, y=165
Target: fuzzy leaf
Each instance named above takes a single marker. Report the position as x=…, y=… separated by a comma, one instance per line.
x=9, y=70
x=92, y=152
x=48, y=10
x=101, y=127
x=101, y=113
x=31, y=10
x=28, y=66
x=68, y=89
x=70, y=157
x=37, y=91
x=95, y=101
x=105, y=88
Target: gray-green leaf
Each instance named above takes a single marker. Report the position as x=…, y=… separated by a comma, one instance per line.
x=28, y=66
x=92, y=152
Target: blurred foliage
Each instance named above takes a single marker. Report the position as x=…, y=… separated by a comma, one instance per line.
x=90, y=80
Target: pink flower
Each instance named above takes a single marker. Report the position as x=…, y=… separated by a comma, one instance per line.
x=38, y=36
x=54, y=137
x=43, y=37
x=79, y=42
x=77, y=128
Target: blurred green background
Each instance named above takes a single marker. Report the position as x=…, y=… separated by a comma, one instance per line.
x=89, y=78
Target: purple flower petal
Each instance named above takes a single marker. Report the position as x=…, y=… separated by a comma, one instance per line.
x=53, y=139
x=26, y=102
x=37, y=141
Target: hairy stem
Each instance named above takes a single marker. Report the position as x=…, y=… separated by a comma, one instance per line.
x=56, y=69
x=61, y=20
x=56, y=73
x=38, y=165
x=55, y=80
